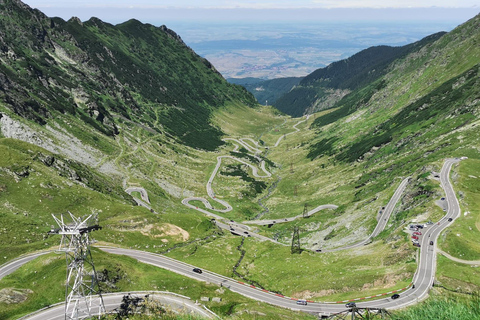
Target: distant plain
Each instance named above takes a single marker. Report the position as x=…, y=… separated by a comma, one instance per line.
x=272, y=49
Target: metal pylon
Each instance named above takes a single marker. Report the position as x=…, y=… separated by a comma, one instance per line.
x=305, y=210
x=296, y=241
x=82, y=293
x=361, y=313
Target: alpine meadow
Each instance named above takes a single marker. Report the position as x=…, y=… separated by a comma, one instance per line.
x=356, y=195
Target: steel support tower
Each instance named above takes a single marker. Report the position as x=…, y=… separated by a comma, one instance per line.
x=296, y=241
x=82, y=293
x=305, y=210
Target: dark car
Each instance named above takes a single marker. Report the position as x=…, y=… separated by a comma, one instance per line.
x=302, y=302
x=197, y=270
x=431, y=243
x=351, y=305
x=450, y=219
x=395, y=296
x=318, y=250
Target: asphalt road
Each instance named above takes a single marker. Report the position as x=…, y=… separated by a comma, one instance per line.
x=422, y=280
x=283, y=220
x=13, y=265
x=382, y=222
x=112, y=301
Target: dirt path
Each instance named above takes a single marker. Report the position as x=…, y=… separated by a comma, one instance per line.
x=470, y=262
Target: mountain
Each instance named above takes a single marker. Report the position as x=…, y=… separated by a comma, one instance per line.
x=324, y=87
x=267, y=91
x=98, y=72
x=423, y=96
x=83, y=119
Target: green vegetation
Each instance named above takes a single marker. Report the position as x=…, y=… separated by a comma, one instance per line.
x=341, y=77
x=267, y=91
x=460, y=239
x=125, y=274
x=94, y=71
x=443, y=307
x=144, y=110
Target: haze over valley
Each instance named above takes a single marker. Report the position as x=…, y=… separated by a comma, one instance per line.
x=352, y=188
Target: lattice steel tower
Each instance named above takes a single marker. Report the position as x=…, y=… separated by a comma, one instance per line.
x=82, y=293
x=296, y=241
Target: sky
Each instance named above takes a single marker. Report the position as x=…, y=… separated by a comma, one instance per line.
x=258, y=4
x=153, y=11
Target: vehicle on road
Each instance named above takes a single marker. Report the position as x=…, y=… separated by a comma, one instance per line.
x=450, y=219
x=431, y=243
x=318, y=250
x=302, y=302
x=351, y=305
x=442, y=199
x=395, y=296
x=197, y=270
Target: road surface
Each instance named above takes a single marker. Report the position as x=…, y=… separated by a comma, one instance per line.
x=422, y=280
x=469, y=262
x=382, y=222
x=112, y=301
x=13, y=265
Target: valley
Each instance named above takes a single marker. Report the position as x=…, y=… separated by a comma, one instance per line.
x=185, y=170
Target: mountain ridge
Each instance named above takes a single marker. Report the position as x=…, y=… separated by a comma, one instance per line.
x=137, y=75
x=331, y=83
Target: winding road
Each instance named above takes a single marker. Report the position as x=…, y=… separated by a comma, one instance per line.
x=422, y=280
x=113, y=301
x=382, y=222
x=237, y=228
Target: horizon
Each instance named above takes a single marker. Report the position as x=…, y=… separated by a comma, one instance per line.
x=235, y=39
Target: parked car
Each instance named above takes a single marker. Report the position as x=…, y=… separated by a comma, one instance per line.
x=395, y=296
x=197, y=270
x=302, y=302
x=418, y=233
x=351, y=305
x=415, y=237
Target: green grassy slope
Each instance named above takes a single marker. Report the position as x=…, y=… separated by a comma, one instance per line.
x=94, y=70
x=267, y=91
x=404, y=124
x=339, y=78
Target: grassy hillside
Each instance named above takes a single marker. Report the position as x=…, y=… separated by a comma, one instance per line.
x=324, y=87
x=267, y=91
x=95, y=71
x=120, y=132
